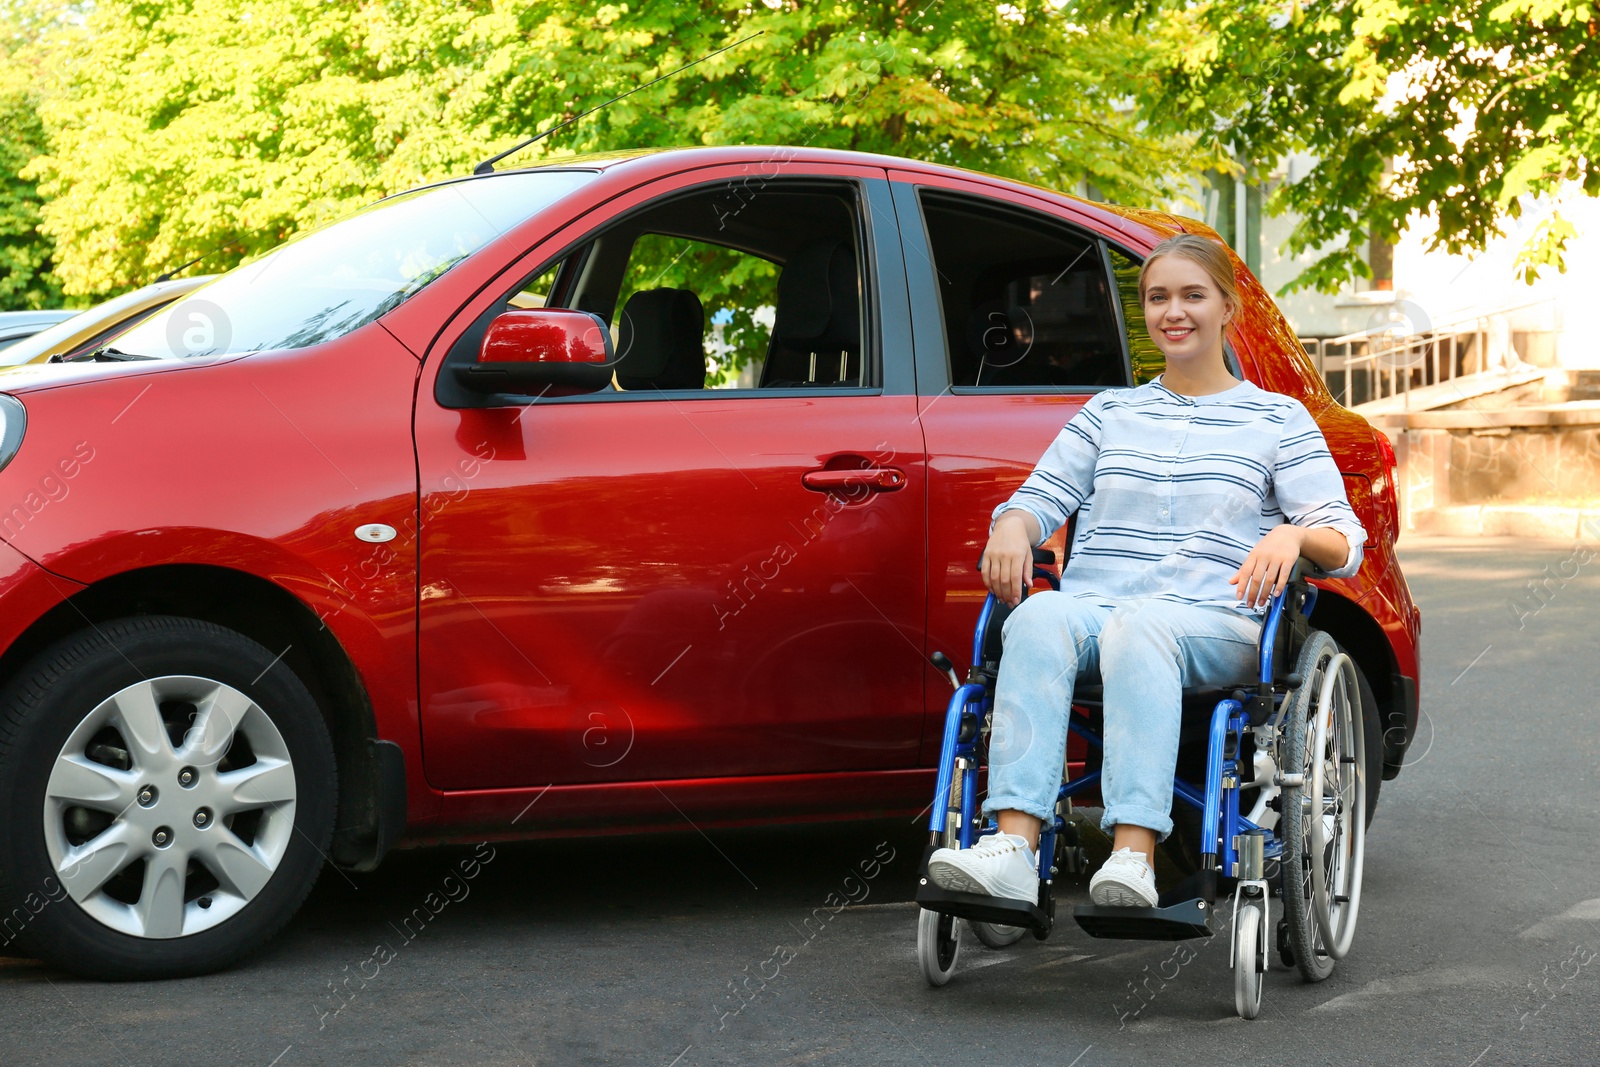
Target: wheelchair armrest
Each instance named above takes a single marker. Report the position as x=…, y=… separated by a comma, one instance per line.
x=1282, y=632
x=1042, y=557
x=1304, y=568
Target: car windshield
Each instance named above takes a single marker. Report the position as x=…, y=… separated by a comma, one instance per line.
x=330, y=281
x=30, y=348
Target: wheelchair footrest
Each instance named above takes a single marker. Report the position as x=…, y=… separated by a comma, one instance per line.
x=1179, y=922
x=977, y=907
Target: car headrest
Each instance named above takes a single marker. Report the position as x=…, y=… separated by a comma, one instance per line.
x=661, y=341
x=999, y=334
x=819, y=299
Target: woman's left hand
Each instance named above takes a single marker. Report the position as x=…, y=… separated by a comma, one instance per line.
x=1266, y=569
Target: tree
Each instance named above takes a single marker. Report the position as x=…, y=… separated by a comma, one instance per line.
x=179, y=127
x=1458, y=109
x=26, y=254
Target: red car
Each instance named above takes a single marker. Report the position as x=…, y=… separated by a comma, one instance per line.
x=432, y=526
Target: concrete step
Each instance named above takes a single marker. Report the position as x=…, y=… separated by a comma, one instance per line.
x=1489, y=414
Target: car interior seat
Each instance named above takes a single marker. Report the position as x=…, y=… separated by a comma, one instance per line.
x=999, y=337
x=1034, y=324
x=661, y=341
x=816, y=330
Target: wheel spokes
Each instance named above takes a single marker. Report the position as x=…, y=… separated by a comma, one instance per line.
x=86, y=869
x=216, y=719
x=265, y=783
x=237, y=867
x=131, y=809
x=139, y=713
x=160, y=906
x=79, y=781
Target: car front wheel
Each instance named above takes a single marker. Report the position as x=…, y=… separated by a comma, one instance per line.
x=169, y=790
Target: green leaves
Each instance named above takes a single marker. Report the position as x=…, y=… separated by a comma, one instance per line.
x=1464, y=110
x=1547, y=248
x=147, y=134
x=26, y=254
x=169, y=130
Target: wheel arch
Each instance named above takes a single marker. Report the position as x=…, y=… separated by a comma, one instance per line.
x=372, y=796
x=1359, y=634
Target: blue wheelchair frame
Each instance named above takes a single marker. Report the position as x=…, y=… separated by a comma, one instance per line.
x=1183, y=913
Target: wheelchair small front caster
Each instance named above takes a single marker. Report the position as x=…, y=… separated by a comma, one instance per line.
x=1285, y=953
x=938, y=945
x=1070, y=855
x=1249, y=960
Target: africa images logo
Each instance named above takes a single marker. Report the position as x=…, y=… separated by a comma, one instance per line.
x=198, y=328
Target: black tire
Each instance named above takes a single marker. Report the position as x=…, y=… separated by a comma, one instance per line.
x=1374, y=730
x=1183, y=847
x=995, y=936
x=59, y=697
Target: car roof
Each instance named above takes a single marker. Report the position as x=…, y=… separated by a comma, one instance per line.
x=44, y=317
x=1154, y=224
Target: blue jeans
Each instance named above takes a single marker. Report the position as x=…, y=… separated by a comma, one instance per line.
x=1144, y=652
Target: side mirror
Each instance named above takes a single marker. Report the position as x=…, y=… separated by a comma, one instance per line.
x=543, y=351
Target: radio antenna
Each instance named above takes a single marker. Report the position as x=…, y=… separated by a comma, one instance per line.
x=487, y=166
x=167, y=276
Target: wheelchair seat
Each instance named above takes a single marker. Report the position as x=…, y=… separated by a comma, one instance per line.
x=1198, y=699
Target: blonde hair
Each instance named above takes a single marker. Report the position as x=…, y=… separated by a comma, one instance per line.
x=1211, y=255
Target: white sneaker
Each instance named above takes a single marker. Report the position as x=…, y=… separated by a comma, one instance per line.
x=999, y=865
x=1126, y=881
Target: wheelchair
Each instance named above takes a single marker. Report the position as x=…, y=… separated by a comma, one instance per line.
x=1282, y=807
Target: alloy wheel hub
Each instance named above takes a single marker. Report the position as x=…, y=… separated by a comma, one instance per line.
x=170, y=806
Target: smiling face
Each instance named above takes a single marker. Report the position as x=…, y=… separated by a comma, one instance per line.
x=1185, y=312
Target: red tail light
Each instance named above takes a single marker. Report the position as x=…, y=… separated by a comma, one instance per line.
x=1391, y=470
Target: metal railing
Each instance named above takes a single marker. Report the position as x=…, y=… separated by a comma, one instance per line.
x=1388, y=360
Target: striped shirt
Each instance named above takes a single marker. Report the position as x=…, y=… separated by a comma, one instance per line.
x=1173, y=491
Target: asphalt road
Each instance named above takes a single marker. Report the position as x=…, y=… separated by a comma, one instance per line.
x=1479, y=939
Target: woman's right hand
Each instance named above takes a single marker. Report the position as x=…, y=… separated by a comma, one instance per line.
x=1007, y=562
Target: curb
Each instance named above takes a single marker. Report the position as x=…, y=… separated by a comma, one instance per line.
x=1502, y=520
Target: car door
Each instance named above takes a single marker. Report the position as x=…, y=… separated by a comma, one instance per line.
x=1018, y=316
x=717, y=567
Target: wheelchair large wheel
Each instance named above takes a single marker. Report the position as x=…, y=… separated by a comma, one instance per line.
x=938, y=945
x=1324, y=816
x=993, y=935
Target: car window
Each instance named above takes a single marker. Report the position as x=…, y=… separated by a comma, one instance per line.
x=757, y=285
x=535, y=292
x=1147, y=359
x=761, y=283
x=737, y=292
x=1025, y=298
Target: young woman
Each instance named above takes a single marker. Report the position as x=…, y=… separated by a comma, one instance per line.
x=1195, y=494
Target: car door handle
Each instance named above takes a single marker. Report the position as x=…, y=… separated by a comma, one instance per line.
x=873, y=479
